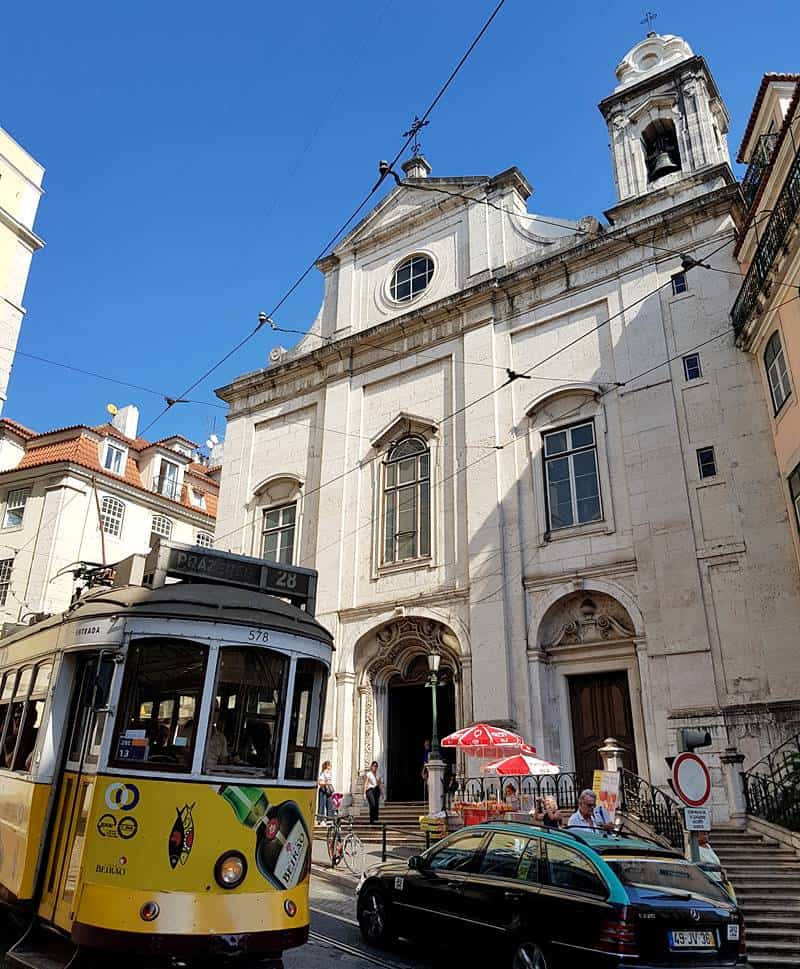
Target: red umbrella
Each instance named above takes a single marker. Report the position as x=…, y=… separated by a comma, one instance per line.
x=521, y=764
x=484, y=740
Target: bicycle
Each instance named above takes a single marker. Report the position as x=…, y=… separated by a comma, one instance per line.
x=346, y=846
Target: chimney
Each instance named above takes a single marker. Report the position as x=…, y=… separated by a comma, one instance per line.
x=126, y=420
x=416, y=167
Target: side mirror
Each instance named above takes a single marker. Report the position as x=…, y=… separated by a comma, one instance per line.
x=417, y=863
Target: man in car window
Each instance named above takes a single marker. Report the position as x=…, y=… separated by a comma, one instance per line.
x=590, y=814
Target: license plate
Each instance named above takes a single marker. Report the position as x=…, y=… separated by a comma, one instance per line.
x=691, y=939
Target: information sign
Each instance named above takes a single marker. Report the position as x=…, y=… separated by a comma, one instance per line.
x=697, y=819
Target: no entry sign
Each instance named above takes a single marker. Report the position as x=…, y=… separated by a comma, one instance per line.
x=691, y=780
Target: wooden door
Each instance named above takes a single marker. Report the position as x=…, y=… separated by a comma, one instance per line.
x=601, y=708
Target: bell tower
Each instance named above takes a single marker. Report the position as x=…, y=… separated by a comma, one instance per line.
x=667, y=123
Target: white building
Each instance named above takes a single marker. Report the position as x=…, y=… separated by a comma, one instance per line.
x=91, y=494
x=20, y=190
x=597, y=546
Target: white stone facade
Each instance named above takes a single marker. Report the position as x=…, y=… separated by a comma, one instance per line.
x=20, y=190
x=683, y=591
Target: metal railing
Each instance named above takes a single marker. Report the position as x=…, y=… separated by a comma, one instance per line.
x=651, y=807
x=772, y=786
x=759, y=161
x=772, y=240
x=528, y=789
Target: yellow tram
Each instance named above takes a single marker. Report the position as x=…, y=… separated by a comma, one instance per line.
x=159, y=747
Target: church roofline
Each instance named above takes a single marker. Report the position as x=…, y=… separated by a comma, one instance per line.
x=728, y=196
x=511, y=177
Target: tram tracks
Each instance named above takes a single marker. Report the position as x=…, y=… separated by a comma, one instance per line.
x=362, y=954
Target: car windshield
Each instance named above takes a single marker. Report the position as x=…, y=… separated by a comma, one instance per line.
x=669, y=876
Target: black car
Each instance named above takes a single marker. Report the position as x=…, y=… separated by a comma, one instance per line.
x=557, y=899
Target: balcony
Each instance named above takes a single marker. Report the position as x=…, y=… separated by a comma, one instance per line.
x=758, y=165
x=167, y=487
x=772, y=240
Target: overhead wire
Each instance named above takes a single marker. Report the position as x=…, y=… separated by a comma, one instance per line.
x=411, y=135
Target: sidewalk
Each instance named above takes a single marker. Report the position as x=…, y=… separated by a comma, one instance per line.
x=321, y=863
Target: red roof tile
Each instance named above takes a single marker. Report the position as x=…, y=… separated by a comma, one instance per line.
x=19, y=429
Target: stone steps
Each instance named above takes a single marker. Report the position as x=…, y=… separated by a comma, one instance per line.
x=766, y=877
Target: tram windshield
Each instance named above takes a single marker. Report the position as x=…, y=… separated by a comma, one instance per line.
x=160, y=703
x=249, y=701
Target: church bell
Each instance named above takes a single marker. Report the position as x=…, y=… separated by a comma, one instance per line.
x=662, y=165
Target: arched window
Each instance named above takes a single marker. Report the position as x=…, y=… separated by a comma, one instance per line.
x=205, y=540
x=411, y=277
x=661, y=152
x=777, y=372
x=407, y=502
x=112, y=513
x=161, y=526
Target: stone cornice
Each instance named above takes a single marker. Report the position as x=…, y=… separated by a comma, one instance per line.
x=431, y=599
x=471, y=306
x=22, y=232
x=541, y=580
x=689, y=66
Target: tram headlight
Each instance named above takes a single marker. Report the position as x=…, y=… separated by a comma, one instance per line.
x=230, y=869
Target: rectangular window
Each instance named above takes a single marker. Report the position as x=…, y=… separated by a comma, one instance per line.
x=115, y=459
x=278, y=534
x=249, y=702
x=167, y=481
x=571, y=476
x=407, y=502
x=679, y=284
x=5, y=579
x=691, y=366
x=777, y=372
x=15, y=507
x=161, y=693
x=794, y=490
x=707, y=462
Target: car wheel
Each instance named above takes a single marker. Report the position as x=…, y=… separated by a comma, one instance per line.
x=528, y=955
x=374, y=918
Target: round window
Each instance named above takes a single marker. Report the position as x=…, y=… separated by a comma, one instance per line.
x=411, y=277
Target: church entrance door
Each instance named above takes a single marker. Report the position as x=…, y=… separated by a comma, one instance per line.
x=601, y=708
x=409, y=726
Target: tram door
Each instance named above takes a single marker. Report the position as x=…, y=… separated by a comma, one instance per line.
x=77, y=780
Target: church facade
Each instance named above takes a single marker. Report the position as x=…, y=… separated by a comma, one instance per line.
x=530, y=445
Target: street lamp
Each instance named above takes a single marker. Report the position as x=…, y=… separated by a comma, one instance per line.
x=434, y=659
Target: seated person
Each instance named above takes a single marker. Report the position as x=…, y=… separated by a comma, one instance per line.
x=217, y=749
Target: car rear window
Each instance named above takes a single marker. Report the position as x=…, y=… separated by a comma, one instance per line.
x=667, y=876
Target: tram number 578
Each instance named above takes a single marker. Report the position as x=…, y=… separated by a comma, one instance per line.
x=258, y=635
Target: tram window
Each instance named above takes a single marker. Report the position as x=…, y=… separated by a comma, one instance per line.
x=305, y=725
x=20, y=735
x=7, y=681
x=31, y=714
x=245, y=729
x=161, y=693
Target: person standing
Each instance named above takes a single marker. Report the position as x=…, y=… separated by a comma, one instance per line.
x=547, y=813
x=325, y=791
x=590, y=814
x=372, y=791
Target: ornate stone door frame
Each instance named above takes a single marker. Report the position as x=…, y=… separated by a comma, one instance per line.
x=396, y=645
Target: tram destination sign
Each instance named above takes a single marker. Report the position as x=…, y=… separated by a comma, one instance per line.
x=193, y=563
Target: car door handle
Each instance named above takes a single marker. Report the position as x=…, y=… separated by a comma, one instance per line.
x=513, y=896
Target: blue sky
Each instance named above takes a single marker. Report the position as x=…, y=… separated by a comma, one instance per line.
x=199, y=155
